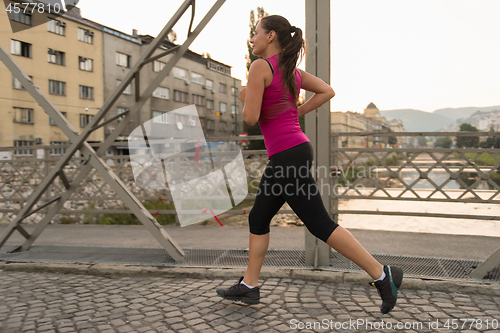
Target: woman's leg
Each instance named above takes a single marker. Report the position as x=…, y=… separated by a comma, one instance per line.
x=267, y=202
x=303, y=195
x=345, y=243
x=257, y=253
x=307, y=204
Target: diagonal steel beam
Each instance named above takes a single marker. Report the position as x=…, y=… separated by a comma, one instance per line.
x=91, y=156
x=489, y=264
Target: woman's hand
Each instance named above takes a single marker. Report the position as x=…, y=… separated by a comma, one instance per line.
x=242, y=94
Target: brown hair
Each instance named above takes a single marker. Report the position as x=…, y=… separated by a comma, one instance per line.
x=293, y=49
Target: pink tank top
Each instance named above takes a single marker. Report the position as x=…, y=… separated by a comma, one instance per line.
x=278, y=119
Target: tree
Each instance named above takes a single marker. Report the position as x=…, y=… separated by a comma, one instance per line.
x=467, y=141
x=422, y=141
x=392, y=139
x=443, y=142
x=484, y=144
x=491, y=141
x=253, y=24
x=255, y=144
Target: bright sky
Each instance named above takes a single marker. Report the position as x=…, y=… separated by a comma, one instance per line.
x=418, y=54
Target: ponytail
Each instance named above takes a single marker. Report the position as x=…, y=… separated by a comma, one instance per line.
x=292, y=42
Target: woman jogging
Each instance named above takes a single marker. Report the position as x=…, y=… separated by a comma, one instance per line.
x=270, y=98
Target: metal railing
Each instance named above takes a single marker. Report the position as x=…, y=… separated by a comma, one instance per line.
x=414, y=174
x=20, y=175
x=404, y=174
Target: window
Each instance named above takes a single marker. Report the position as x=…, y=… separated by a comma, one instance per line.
x=158, y=65
x=56, y=57
x=210, y=124
x=222, y=126
x=86, y=64
x=223, y=88
x=16, y=84
x=20, y=48
x=85, y=35
x=121, y=110
x=52, y=122
x=234, y=109
x=85, y=119
x=192, y=121
x=23, y=115
x=161, y=117
x=222, y=107
x=209, y=84
x=180, y=73
x=57, y=87
x=56, y=26
x=57, y=151
x=161, y=92
x=181, y=118
x=210, y=104
x=23, y=152
x=20, y=17
x=180, y=96
x=198, y=78
x=198, y=100
x=128, y=90
x=234, y=91
x=122, y=60
x=86, y=92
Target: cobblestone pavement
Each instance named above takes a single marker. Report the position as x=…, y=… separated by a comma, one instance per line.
x=48, y=302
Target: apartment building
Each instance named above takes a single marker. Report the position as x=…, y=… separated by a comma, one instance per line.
x=349, y=122
x=63, y=56
x=356, y=122
x=78, y=63
x=195, y=79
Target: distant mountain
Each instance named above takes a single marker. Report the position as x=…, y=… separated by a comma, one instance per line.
x=457, y=113
x=417, y=120
x=421, y=121
x=483, y=121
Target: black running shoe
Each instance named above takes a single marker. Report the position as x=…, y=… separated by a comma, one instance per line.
x=388, y=287
x=240, y=292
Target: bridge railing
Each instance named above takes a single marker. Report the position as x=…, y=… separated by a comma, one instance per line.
x=23, y=168
x=370, y=170
x=397, y=172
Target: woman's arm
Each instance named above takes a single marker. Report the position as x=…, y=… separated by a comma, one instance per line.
x=322, y=93
x=252, y=96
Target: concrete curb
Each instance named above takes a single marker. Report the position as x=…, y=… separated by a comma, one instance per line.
x=109, y=270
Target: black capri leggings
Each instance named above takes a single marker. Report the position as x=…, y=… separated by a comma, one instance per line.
x=287, y=177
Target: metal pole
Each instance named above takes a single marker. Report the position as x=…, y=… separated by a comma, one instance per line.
x=335, y=164
x=318, y=124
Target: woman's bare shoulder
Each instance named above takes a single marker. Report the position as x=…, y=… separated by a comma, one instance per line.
x=259, y=69
x=258, y=64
